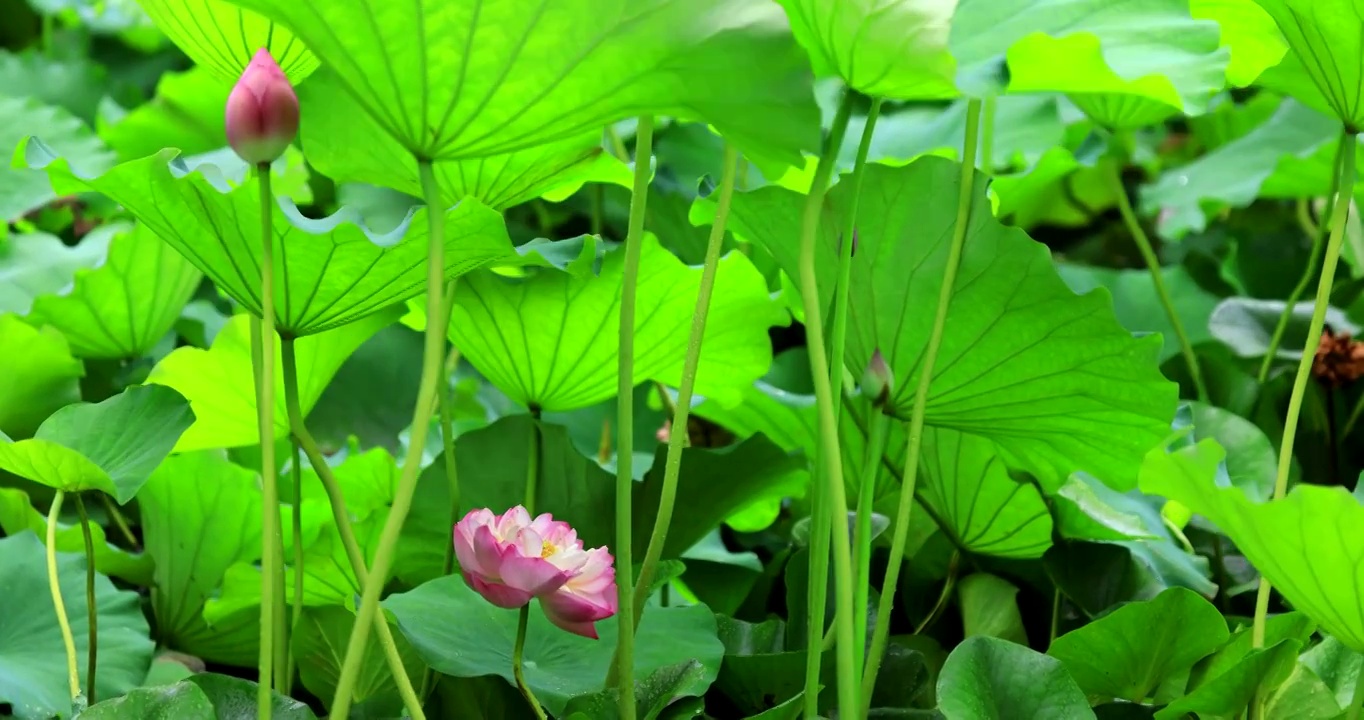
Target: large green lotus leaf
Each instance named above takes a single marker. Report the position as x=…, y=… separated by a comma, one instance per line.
x=201, y=696
x=1148, y=48
x=1324, y=34
x=1120, y=111
x=318, y=643
x=652, y=694
x=1129, y=652
x=1138, y=307
x=1252, y=461
x=65, y=80
x=1248, y=32
x=1287, y=156
x=1229, y=693
x=328, y=271
x=25, y=189
x=112, y=446
x=37, y=264
x=987, y=678
x=123, y=308
x=221, y=388
x=17, y=515
x=32, y=657
x=1246, y=326
x=201, y=514
x=989, y=606
x=558, y=665
x=1302, y=544
x=187, y=113
x=985, y=510
x=345, y=144
x=1058, y=189
x=37, y=375
x=1048, y=376
x=222, y=38
x=896, y=50
x=545, y=341
x=464, y=80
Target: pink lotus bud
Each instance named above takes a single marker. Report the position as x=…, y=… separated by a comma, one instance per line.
x=262, y=111
x=510, y=558
x=878, y=382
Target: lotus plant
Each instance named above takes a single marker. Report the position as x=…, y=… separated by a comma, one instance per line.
x=512, y=558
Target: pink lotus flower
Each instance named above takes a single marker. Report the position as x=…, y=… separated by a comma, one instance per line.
x=262, y=111
x=510, y=558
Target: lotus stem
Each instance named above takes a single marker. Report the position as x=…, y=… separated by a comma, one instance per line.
x=265, y=415
x=677, y=438
x=518, y=662
x=862, y=539
x=881, y=635
x=73, y=676
x=297, y=530
x=91, y=605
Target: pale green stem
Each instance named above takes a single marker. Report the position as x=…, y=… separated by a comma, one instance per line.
x=282, y=665
x=881, y=635
x=120, y=522
x=833, y=501
x=1318, y=235
x=682, y=407
x=73, y=673
x=432, y=355
x=265, y=416
x=617, y=146
x=91, y=603
x=1340, y=211
x=1129, y=217
x=533, y=465
x=862, y=540
x=624, y=666
x=948, y=586
x=987, y=135
x=518, y=663
x=297, y=529
x=447, y=433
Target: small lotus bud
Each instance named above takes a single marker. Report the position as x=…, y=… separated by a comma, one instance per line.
x=262, y=111
x=878, y=382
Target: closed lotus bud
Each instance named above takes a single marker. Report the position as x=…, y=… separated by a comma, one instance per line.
x=262, y=111
x=878, y=382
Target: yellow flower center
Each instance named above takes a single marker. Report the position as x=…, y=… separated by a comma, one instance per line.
x=547, y=548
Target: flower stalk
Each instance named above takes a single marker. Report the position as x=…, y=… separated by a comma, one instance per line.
x=91, y=606
x=682, y=407
x=432, y=364
x=519, y=664
x=73, y=677
x=265, y=416
x=881, y=634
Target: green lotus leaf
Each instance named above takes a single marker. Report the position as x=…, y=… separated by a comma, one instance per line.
x=112, y=446
x=32, y=659
x=17, y=515
x=318, y=642
x=457, y=81
x=37, y=264
x=222, y=38
x=989, y=607
x=1117, y=111
x=545, y=340
x=64, y=80
x=328, y=272
x=219, y=384
x=187, y=113
x=1229, y=693
x=24, y=189
x=1324, y=36
x=200, y=514
x=123, y=308
x=559, y=665
x=1057, y=189
x=1129, y=652
x=1138, y=307
x=896, y=50
x=1301, y=543
x=1248, y=33
x=1049, y=377
x=1152, y=49
x=37, y=375
x=987, y=678
x=345, y=144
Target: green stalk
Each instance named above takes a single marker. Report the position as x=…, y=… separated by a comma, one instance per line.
x=305, y=442
x=871, y=465
x=682, y=407
x=1129, y=218
x=120, y=522
x=447, y=433
x=833, y=500
x=624, y=666
x=1339, y=213
x=73, y=673
x=949, y=584
x=532, y=465
x=91, y=605
x=265, y=415
x=432, y=356
x=987, y=135
x=297, y=529
x=282, y=666
x=1318, y=235
x=518, y=663
x=881, y=635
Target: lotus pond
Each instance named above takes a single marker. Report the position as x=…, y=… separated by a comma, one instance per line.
x=673, y=359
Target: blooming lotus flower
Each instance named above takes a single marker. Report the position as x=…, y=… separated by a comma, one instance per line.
x=511, y=558
x=262, y=111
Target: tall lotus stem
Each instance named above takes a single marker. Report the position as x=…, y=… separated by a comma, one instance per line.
x=73, y=673
x=682, y=408
x=881, y=635
x=91, y=606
